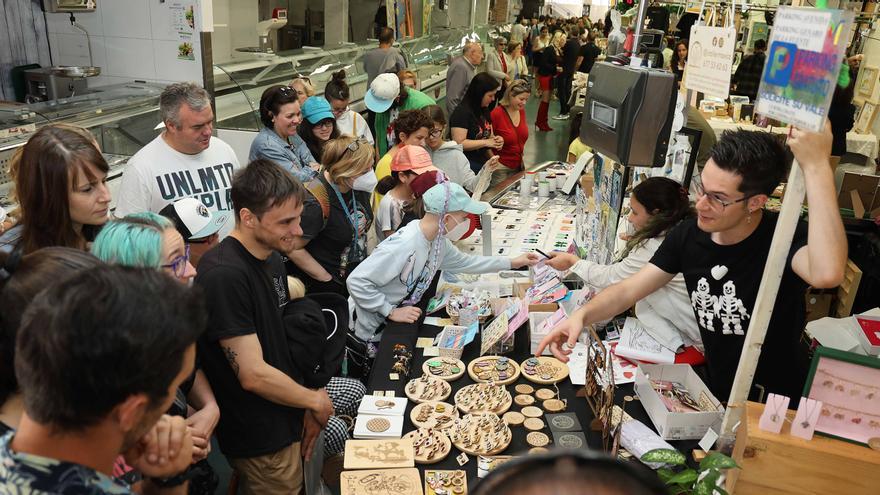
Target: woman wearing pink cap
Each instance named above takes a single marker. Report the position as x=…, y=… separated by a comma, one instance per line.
x=407, y=164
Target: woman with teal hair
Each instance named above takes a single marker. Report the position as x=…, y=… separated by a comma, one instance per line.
x=145, y=240
x=150, y=240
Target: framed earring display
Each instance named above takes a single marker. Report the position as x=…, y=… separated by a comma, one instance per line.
x=848, y=386
x=866, y=117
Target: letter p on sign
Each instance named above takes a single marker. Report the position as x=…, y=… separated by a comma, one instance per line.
x=780, y=63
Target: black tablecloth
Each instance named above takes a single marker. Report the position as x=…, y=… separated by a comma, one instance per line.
x=399, y=333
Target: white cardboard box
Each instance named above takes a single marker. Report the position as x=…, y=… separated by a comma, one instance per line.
x=368, y=405
x=869, y=344
x=362, y=432
x=673, y=425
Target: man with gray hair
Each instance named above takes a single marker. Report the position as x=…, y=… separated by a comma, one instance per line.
x=184, y=161
x=461, y=71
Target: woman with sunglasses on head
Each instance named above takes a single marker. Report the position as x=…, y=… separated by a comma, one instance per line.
x=278, y=140
x=348, y=121
x=318, y=125
x=303, y=87
x=60, y=179
x=448, y=156
x=149, y=240
x=336, y=217
x=509, y=122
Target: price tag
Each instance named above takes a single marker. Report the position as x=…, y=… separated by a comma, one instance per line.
x=462, y=459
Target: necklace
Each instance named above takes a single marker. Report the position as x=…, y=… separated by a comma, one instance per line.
x=808, y=412
x=777, y=407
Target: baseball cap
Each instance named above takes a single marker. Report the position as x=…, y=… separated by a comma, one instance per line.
x=192, y=219
x=383, y=90
x=412, y=158
x=316, y=109
x=459, y=200
x=420, y=185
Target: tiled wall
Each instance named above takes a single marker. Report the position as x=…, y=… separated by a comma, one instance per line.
x=131, y=39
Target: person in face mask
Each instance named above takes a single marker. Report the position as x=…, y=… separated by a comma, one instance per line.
x=336, y=217
x=388, y=284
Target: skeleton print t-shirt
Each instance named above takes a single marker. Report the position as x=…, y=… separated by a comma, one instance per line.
x=723, y=285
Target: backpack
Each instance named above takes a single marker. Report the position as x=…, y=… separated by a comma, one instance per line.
x=316, y=327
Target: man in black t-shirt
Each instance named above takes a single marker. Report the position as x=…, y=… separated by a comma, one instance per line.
x=588, y=54
x=569, y=58
x=268, y=421
x=722, y=254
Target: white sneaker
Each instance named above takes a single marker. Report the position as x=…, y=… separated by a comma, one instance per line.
x=561, y=117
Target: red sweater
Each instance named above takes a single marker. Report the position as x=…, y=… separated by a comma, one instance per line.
x=514, y=137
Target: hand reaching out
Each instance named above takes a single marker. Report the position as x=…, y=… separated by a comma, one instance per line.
x=406, y=314
x=562, y=261
x=527, y=259
x=566, y=332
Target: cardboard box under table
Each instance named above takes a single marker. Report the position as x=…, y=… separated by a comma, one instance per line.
x=780, y=463
x=676, y=425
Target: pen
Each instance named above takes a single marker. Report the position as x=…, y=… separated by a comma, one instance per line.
x=542, y=253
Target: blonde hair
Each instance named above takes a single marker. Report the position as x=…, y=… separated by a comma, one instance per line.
x=342, y=163
x=516, y=88
x=558, y=39
x=408, y=74
x=295, y=287
x=306, y=84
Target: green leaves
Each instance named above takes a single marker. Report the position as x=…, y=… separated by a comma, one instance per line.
x=685, y=477
x=688, y=481
x=664, y=456
x=717, y=460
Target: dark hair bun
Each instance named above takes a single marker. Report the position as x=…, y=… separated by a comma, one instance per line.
x=339, y=76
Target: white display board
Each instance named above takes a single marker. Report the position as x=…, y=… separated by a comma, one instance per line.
x=710, y=56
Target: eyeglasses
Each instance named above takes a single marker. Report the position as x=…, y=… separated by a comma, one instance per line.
x=354, y=145
x=435, y=133
x=324, y=124
x=339, y=111
x=304, y=78
x=178, y=264
x=715, y=201
x=287, y=90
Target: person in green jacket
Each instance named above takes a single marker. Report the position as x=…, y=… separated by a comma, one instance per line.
x=386, y=98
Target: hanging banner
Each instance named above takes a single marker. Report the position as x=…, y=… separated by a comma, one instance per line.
x=803, y=63
x=710, y=55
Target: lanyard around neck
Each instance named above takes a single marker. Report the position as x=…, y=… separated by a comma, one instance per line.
x=349, y=214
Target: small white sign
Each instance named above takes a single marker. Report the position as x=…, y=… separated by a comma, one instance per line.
x=710, y=56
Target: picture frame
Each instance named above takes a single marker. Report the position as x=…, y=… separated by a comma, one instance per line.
x=848, y=385
x=866, y=115
x=868, y=81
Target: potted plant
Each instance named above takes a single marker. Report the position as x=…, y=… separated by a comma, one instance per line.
x=682, y=479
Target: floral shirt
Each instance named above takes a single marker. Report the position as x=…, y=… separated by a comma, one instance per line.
x=25, y=474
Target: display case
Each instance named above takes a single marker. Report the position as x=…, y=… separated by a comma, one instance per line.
x=123, y=118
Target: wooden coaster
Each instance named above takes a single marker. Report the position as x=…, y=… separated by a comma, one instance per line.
x=554, y=405
x=480, y=434
x=544, y=369
x=378, y=425
x=538, y=450
x=524, y=400
x=513, y=418
x=498, y=369
x=433, y=415
x=445, y=482
x=378, y=454
x=483, y=397
x=429, y=446
x=532, y=412
x=533, y=424
x=444, y=368
x=427, y=388
x=523, y=388
x=545, y=394
x=537, y=439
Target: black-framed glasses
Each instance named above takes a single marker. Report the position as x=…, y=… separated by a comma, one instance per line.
x=304, y=78
x=178, y=264
x=354, y=145
x=435, y=133
x=324, y=124
x=714, y=200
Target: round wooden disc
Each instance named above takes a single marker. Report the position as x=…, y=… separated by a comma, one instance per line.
x=445, y=368
x=498, y=399
x=532, y=412
x=544, y=369
x=554, y=405
x=538, y=450
x=489, y=373
x=427, y=440
x=524, y=400
x=469, y=426
x=434, y=417
x=537, y=439
x=545, y=394
x=524, y=388
x=378, y=425
x=513, y=418
x=533, y=424
x=427, y=389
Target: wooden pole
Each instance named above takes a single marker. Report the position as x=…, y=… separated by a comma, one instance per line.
x=761, y=314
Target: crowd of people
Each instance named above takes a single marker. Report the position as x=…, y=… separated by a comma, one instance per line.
x=131, y=339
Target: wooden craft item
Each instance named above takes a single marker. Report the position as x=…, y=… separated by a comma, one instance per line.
x=389, y=453
x=445, y=368
x=480, y=434
x=524, y=400
x=532, y=412
x=533, y=424
x=554, y=405
x=544, y=370
x=513, y=418
x=445, y=482
x=386, y=481
x=378, y=425
x=429, y=446
x=524, y=388
x=483, y=397
x=433, y=415
x=427, y=388
x=498, y=369
x=537, y=439
x=545, y=394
